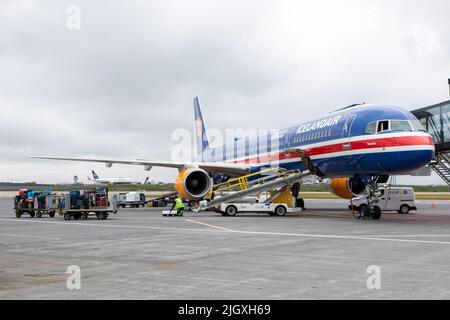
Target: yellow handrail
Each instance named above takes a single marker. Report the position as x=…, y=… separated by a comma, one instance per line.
x=242, y=182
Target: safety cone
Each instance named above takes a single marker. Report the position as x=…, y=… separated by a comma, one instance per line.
x=433, y=205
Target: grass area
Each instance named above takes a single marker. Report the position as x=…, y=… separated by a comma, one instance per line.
x=419, y=195
x=317, y=191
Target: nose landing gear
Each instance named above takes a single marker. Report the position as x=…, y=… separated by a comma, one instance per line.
x=371, y=210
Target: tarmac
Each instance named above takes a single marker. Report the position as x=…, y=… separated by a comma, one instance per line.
x=321, y=253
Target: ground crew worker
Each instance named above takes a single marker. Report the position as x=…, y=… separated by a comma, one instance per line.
x=179, y=205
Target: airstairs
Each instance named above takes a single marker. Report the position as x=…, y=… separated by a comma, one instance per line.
x=252, y=184
x=442, y=166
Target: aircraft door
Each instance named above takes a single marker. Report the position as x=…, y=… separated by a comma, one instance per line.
x=346, y=132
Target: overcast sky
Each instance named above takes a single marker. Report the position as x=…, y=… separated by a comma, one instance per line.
x=121, y=84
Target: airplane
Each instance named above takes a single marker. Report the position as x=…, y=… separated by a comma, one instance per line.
x=353, y=148
x=111, y=181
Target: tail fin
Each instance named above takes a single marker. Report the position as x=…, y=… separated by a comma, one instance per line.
x=201, y=138
x=95, y=175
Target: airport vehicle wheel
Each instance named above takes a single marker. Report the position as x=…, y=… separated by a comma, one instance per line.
x=38, y=214
x=18, y=214
x=105, y=216
x=404, y=209
x=231, y=211
x=271, y=214
x=280, y=211
x=364, y=210
x=100, y=215
x=85, y=215
x=77, y=216
x=32, y=214
x=376, y=214
x=51, y=214
x=67, y=216
x=123, y=206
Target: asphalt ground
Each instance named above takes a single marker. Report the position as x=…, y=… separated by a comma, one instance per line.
x=321, y=253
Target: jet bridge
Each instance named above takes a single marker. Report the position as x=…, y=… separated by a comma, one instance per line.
x=436, y=120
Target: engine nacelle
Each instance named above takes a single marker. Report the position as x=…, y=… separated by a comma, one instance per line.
x=193, y=184
x=347, y=188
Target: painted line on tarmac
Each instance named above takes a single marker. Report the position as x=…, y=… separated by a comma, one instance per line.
x=262, y=233
x=29, y=236
x=211, y=225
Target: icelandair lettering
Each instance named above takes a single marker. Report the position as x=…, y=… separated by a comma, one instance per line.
x=332, y=121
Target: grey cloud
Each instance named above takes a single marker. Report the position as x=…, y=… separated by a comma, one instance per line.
x=121, y=85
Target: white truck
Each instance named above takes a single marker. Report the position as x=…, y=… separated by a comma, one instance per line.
x=399, y=199
x=130, y=199
x=273, y=209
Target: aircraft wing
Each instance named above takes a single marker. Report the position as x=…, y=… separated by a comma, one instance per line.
x=231, y=169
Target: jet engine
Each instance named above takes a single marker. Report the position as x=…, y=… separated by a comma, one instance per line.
x=193, y=184
x=347, y=188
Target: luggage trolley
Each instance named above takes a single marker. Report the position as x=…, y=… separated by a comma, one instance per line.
x=35, y=203
x=79, y=204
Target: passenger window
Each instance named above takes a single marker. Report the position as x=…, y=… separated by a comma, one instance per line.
x=371, y=127
x=400, y=125
x=383, y=126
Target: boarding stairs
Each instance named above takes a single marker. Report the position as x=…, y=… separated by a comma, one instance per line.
x=441, y=166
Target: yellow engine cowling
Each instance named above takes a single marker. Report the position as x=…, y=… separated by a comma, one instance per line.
x=193, y=184
x=346, y=188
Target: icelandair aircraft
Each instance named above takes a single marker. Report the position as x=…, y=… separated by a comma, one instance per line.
x=111, y=181
x=353, y=147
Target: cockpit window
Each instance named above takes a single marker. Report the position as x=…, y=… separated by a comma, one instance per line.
x=394, y=125
x=383, y=126
x=400, y=125
x=372, y=127
x=417, y=125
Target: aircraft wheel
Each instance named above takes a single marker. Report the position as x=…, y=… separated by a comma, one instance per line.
x=364, y=210
x=404, y=209
x=280, y=211
x=231, y=211
x=376, y=214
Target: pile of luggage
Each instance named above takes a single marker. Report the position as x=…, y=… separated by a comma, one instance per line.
x=36, y=203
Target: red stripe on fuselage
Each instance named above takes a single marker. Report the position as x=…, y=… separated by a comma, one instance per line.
x=338, y=147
